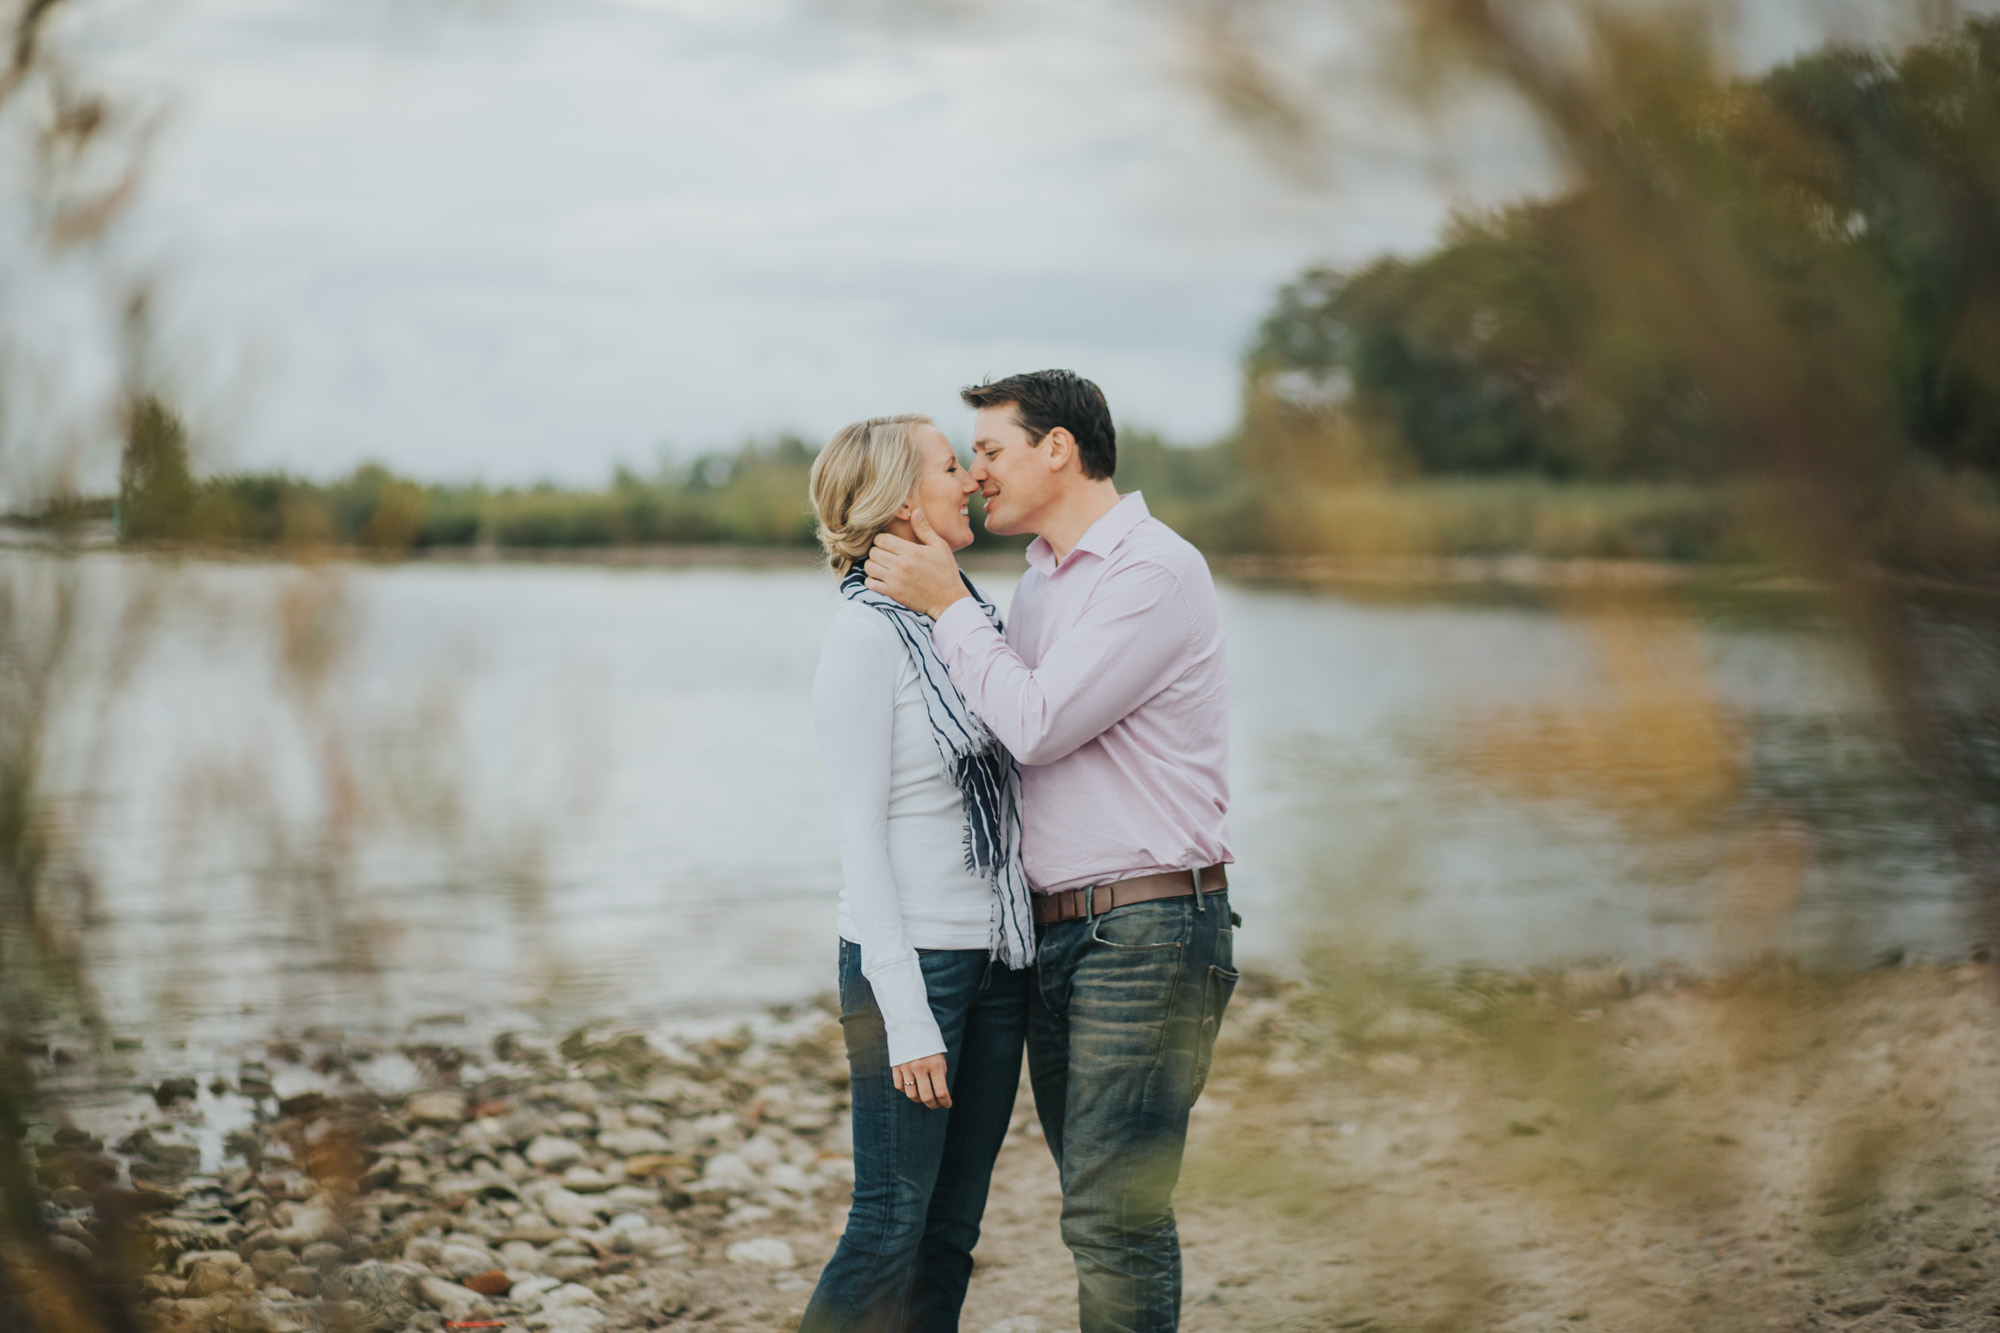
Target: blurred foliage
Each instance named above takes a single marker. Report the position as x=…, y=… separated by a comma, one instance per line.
x=1779, y=296
x=1600, y=1147
x=72, y=156
x=1833, y=221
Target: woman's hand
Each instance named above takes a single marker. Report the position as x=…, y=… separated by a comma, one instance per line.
x=923, y=1081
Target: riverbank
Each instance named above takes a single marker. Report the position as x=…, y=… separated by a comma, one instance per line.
x=1413, y=576
x=1579, y=1150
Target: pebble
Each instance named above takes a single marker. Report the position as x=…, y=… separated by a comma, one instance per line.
x=768, y=1251
x=72, y=1247
x=455, y=1191
x=566, y=1209
x=529, y=1289
x=727, y=1173
x=323, y=1254
x=383, y=1296
x=173, y=1090
x=267, y=1264
x=518, y=1256
x=226, y=1258
x=309, y=1226
x=161, y=1287
x=549, y=1153
x=444, y=1109
x=269, y=1316
x=569, y=1294
x=447, y=1298
x=654, y=1164
x=634, y=1143
x=461, y=1260
x=632, y=1196
x=204, y=1310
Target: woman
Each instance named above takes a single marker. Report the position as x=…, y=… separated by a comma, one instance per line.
x=934, y=917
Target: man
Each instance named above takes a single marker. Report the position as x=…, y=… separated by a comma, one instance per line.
x=1110, y=689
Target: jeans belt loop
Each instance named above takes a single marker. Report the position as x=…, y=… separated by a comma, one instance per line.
x=1198, y=907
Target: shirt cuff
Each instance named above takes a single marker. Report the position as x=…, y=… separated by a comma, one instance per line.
x=960, y=621
x=906, y=1011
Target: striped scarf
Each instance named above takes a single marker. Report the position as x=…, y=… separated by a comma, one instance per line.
x=988, y=782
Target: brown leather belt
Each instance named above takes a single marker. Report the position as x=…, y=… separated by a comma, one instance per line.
x=1097, y=899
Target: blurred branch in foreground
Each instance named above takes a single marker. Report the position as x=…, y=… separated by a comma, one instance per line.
x=1784, y=284
x=72, y=155
x=83, y=1223
x=1788, y=284
x=1786, y=288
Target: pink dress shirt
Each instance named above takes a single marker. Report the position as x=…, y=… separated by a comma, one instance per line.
x=1111, y=689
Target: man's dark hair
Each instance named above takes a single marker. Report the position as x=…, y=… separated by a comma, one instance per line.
x=1045, y=399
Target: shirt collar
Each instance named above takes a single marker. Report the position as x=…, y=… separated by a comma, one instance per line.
x=1100, y=538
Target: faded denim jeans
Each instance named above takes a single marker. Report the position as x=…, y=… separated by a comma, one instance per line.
x=920, y=1175
x=1121, y=1030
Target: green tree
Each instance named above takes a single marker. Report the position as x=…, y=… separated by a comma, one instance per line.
x=1860, y=189
x=156, y=489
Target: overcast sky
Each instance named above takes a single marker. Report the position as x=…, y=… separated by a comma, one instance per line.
x=522, y=242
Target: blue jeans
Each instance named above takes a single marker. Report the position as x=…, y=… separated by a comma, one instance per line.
x=920, y=1175
x=1120, y=1034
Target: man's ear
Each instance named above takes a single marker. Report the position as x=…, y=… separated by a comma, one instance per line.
x=1062, y=447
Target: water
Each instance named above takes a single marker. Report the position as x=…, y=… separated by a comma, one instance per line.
x=545, y=793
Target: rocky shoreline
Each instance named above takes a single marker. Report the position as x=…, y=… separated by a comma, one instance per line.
x=579, y=1186
x=1590, y=1150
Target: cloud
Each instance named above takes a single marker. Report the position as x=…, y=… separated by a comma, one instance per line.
x=522, y=242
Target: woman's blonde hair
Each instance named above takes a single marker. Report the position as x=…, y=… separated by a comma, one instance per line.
x=863, y=476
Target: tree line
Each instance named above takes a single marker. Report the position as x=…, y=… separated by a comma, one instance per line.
x=751, y=496
x=1864, y=182
x=747, y=497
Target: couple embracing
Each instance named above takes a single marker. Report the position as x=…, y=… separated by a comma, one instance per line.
x=1032, y=847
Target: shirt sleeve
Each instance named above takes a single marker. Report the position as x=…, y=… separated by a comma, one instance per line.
x=1133, y=641
x=854, y=716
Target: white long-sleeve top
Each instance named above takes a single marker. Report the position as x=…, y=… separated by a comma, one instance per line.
x=899, y=820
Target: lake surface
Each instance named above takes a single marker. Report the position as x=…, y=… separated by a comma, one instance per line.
x=545, y=793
